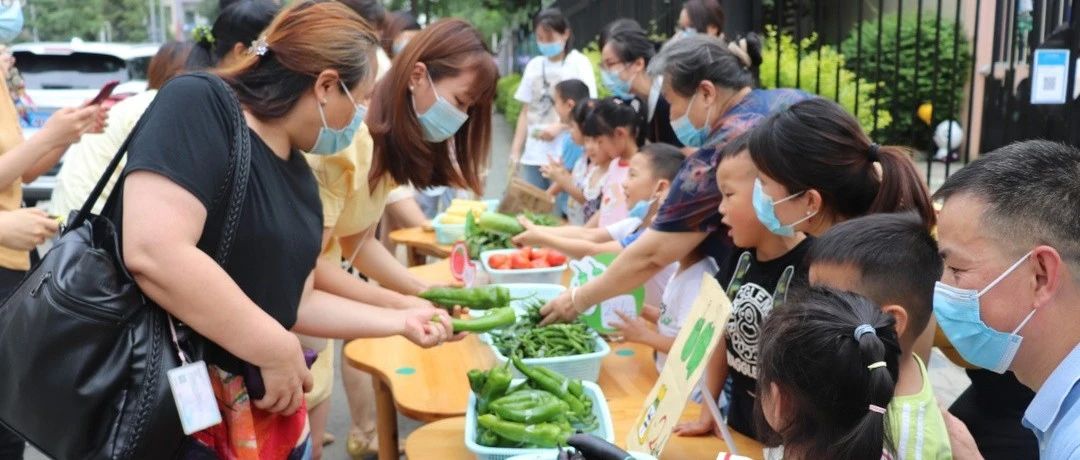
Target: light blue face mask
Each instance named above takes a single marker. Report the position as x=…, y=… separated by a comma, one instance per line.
x=442, y=120
x=398, y=47
x=957, y=311
x=550, y=49
x=330, y=140
x=11, y=21
x=619, y=87
x=640, y=209
x=689, y=32
x=766, y=212
x=688, y=134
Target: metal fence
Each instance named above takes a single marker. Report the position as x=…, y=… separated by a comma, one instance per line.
x=905, y=68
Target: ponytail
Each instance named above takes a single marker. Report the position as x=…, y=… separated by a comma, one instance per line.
x=612, y=113
x=241, y=22
x=901, y=188
x=817, y=145
x=868, y=436
x=835, y=357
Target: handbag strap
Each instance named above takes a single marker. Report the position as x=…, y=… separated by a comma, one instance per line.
x=234, y=187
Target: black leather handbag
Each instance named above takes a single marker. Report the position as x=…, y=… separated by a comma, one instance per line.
x=83, y=354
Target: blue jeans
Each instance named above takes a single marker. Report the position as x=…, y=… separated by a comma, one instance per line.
x=531, y=174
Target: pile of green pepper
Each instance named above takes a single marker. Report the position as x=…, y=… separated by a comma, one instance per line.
x=526, y=339
x=543, y=411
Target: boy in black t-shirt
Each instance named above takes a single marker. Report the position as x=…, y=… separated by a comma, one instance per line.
x=757, y=280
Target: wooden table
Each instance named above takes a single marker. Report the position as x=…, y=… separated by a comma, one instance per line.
x=430, y=385
x=419, y=244
x=626, y=377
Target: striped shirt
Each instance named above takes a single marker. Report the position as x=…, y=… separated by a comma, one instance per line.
x=916, y=424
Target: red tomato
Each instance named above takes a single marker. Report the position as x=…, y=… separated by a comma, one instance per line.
x=540, y=263
x=526, y=252
x=505, y=265
x=498, y=260
x=540, y=254
x=518, y=260
x=556, y=258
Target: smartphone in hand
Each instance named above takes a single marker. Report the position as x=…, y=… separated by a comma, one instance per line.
x=104, y=94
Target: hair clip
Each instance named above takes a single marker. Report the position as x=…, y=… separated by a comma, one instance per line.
x=203, y=34
x=259, y=47
x=864, y=329
x=877, y=365
x=878, y=409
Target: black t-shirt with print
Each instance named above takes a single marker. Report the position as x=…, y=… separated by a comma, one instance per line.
x=187, y=139
x=755, y=288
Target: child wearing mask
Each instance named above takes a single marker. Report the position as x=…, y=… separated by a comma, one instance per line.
x=828, y=371
x=758, y=281
x=651, y=172
x=568, y=95
x=893, y=260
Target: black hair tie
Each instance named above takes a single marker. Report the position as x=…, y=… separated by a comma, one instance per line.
x=872, y=153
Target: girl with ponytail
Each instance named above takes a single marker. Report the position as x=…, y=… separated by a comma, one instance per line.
x=818, y=168
x=611, y=129
x=828, y=367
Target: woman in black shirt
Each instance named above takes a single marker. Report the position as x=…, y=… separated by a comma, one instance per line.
x=298, y=89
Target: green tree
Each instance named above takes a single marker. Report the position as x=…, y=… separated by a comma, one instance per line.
x=62, y=20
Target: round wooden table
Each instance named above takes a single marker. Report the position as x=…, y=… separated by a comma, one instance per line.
x=419, y=244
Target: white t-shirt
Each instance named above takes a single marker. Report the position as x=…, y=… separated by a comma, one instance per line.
x=538, y=90
x=654, y=287
x=679, y=298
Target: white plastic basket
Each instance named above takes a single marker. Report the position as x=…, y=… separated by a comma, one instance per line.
x=451, y=233
x=582, y=367
x=447, y=233
x=600, y=409
x=554, y=456
x=551, y=275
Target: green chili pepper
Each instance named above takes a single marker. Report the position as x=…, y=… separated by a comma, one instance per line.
x=498, y=381
x=551, y=385
x=537, y=413
x=477, y=298
x=477, y=378
x=487, y=438
x=540, y=434
x=497, y=318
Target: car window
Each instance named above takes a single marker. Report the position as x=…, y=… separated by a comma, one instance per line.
x=73, y=71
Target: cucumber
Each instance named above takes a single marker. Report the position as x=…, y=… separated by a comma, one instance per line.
x=499, y=223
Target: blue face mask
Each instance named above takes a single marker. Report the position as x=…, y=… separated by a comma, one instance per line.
x=766, y=213
x=398, y=47
x=957, y=311
x=550, y=49
x=641, y=209
x=688, y=134
x=442, y=120
x=11, y=21
x=618, y=86
x=689, y=32
x=330, y=140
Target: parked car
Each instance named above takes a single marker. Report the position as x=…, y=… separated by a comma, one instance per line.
x=61, y=75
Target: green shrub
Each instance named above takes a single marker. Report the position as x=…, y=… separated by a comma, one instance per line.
x=806, y=68
x=504, y=97
x=904, y=95
x=592, y=51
